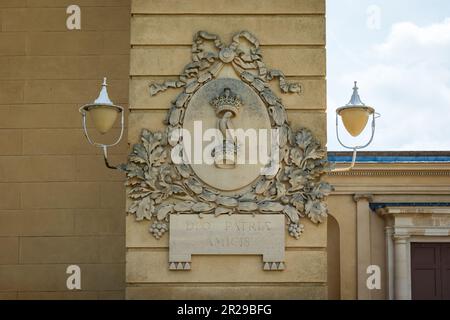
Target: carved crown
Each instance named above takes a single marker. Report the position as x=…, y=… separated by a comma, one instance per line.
x=227, y=101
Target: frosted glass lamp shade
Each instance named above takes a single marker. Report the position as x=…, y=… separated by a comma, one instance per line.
x=103, y=117
x=355, y=118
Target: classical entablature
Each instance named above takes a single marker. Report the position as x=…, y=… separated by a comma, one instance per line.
x=373, y=164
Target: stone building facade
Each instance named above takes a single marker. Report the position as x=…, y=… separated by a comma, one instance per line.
x=60, y=206
x=384, y=211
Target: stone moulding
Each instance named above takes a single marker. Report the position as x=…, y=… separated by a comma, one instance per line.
x=158, y=188
x=393, y=172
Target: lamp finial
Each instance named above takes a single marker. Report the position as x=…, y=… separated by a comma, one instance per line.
x=103, y=97
x=355, y=99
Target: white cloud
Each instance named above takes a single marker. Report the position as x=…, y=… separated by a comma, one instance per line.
x=407, y=36
x=408, y=82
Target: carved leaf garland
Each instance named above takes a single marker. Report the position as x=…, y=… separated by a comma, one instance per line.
x=158, y=188
x=296, y=192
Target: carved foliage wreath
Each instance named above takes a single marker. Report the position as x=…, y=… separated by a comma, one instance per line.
x=159, y=188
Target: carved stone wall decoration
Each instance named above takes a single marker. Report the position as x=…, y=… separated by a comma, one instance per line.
x=158, y=188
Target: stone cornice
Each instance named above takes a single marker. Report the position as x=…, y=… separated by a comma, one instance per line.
x=381, y=169
x=380, y=172
x=391, y=210
x=385, y=188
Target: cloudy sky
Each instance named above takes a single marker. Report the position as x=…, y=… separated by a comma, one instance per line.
x=399, y=51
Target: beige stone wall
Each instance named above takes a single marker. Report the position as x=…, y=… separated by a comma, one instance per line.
x=59, y=205
x=292, y=34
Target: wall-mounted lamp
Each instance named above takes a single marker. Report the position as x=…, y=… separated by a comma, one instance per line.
x=103, y=113
x=355, y=116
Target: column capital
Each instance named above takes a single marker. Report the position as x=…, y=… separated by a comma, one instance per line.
x=363, y=196
x=401, y=238
x=389, y=230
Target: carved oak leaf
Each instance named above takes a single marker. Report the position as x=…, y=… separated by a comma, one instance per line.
x=165, y=175
x=296, y=156
x=280, y=189
x=297, y=181
x=134, y=171
x=316, y=211
x=138, y=193
x=158, y=156
x=322, y=190
x=292, y=214
x=151, y=178
x=139, y=154
x=303, y=138
x=143, y=210
x=163, y=211
x=313, y=152
x=299, y=203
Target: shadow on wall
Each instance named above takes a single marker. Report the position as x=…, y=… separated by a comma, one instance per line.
x=333, y=258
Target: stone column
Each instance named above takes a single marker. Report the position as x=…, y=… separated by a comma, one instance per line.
x=363, y=243
x=390, y=263
x=402, y=291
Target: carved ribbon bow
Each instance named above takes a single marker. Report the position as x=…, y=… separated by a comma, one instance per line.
x=207, y=61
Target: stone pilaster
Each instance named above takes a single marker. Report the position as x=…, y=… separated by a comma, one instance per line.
x=401, y=247
x=363, y=243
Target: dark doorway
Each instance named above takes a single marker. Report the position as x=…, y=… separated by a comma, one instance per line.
x=430, y=271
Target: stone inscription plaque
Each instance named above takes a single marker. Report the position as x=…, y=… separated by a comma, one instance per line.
x=227, y=235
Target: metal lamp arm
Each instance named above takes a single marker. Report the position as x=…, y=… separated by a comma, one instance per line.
x=105, y=157
x=352, y=165
x=104, y=147
x=355, y=149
